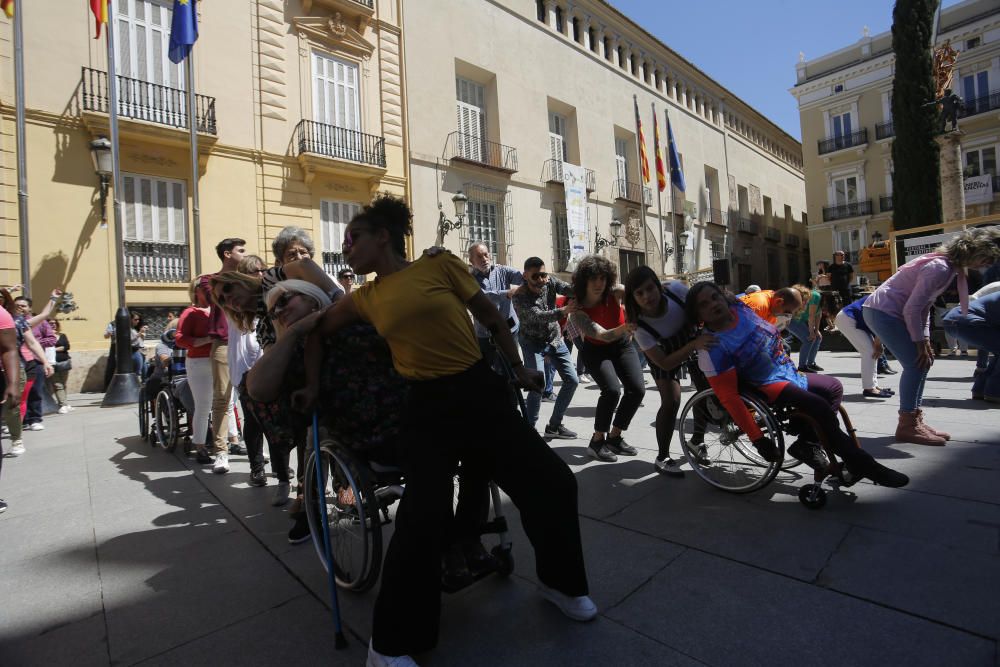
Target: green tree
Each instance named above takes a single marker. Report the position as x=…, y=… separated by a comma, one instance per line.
x=916, y=178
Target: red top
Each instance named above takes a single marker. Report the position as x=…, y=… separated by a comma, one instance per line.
x=194, y=323
x=608, y=314
x=218, y=325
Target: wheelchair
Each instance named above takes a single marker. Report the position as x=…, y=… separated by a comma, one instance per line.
x=173, y=404
x=724, y=457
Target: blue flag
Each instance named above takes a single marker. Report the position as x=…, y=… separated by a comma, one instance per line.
x=676, y=175
x=183, y=30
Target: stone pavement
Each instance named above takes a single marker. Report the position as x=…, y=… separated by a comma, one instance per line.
x=117, y=553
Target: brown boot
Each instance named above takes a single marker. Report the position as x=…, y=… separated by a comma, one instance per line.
x=928, y=427
x=909, y=430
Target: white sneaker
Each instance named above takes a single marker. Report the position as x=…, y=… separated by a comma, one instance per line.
x=37, y=426
x=580, y=608
x=376, y=659
x=66, y=409
x=281, y=494
x=221, y=466
x=16, y=448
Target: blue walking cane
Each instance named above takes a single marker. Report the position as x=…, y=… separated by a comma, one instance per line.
x=340, y=641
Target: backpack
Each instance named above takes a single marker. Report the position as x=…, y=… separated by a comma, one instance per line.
x=673, y=343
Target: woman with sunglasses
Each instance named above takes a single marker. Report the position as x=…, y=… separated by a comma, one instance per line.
x=457, y=409
x=192, y=335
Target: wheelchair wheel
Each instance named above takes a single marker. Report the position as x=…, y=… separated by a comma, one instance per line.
x=719, y=452
x=355, y=528
x=144, y=430
x=166, y=421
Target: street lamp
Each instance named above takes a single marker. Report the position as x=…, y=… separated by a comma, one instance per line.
x=876, y=237
x=444, y=224
x=600, y=243
x=100, y=151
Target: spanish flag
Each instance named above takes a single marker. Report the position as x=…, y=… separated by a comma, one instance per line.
x=643, y=159
x=8, y=8
x=100, y=10
x=661, y=176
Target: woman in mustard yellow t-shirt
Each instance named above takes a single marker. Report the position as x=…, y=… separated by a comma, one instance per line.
x=458, y=409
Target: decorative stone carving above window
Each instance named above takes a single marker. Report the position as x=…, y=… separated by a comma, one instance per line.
x=356, y=13
x=333, y=33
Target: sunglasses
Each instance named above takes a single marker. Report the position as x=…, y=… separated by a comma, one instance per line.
x=281, y=303
x=347, y=276
x=351, y=236
x=541, y=275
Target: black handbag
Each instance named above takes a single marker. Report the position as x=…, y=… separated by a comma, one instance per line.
x=61, y=366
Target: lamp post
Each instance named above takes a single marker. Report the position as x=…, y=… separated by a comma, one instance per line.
x=600, y=243
x=682, y=247
x=876, y=237
x=100, y=151
x=444, y=224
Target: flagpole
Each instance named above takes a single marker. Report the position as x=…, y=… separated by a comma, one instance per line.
x=659, y=193
x=193, y=131
x=678, y=257
x=642, y=184
x=22, y=165
x=124, y=387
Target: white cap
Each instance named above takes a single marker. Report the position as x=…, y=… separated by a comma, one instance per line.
x=752, y=288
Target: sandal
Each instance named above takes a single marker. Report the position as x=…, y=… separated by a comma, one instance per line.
x=877, y=393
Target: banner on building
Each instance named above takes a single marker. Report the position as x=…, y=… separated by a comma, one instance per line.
x=575, y=184
x=979, y=190
x=921, y=245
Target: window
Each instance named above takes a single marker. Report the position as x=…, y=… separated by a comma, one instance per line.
x=559, y=20
x=845, y=190
x=489, y=220
x=154, y=208
x=540, y=10
x=839, y=88
x=333, y=217
x=621, y=57
x=717, y=249
x=143, y=41
x=593, y=39
x=335, y=92
x=973, y=43
x=848, y=240
x=841, y=126
x=557, y=143
x=980, y=162
x=471, y=119
x=621, y=164
x=483, y=223
x=976, y=91
x=577, y=35
x=607, y=48
x=629, y=260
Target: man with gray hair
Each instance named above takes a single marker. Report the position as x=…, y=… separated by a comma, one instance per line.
x=499, y=283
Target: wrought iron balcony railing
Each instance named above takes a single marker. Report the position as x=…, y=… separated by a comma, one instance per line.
x=980, y=105
x=885, y=203
x=370, y=4
x=475, y=149
x=632, y=192
x=334, y=263
x=553, y=173
x=772, y=233
x=151, y=102
x=884, y=130
x=156, y=262
x=717, y=216
x=792, y=240
x=340, y=143
x=852, y=210
x=745, y=224
x=831, y=144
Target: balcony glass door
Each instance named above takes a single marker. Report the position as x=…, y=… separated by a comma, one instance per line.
x=557, y=144
x=334, y=216
x=621, y=164
x=335, y=105
x=849, y=240
x=845, y=192
x=152, y=86
x=976, y=90
x=842, y=130
x=471, y=110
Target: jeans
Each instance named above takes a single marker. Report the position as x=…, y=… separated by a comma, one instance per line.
x=863, y=343
x=643, y=362
x=613, y=366
x=57, y=384
x=33, y=415
x=809, y=348
x=550, y=377
x=534, y=353
x=893, y=334
x=253, y=434
x=983, y=337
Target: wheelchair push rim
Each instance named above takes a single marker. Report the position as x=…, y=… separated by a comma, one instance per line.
x=166, y=421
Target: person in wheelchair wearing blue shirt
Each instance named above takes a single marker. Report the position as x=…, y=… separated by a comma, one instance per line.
x=749, y=352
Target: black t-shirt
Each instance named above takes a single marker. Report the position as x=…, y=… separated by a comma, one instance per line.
x=840, y=275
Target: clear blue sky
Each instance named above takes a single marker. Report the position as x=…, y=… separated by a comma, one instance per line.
x=751, y=46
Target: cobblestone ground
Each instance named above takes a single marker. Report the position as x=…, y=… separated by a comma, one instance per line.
x=118, y=553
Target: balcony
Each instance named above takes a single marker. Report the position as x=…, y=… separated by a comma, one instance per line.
x=831, y=144
x=885, y=203
x=552, y=172
x=772, y=234
x=472, y=149
x=334, y=262
x=717, y=216
x=155, y=262
x=792, y=240
x=884, y=130
x=980, y=105
x=852, y=210
x=147, y=102
x=745, y=224
x=635, y=193
x=338, y=151
x=354, y=13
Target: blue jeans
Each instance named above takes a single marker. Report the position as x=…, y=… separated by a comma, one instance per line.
x=893, y=334
x=809, y=349
x=550, y=376
x=983, y=337
x=535, y=353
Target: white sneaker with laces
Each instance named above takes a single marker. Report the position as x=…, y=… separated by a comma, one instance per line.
x=65, y=409
x=37, y=426
x=221, y=466
x=376, y=659
x=16, y=448
x=580, y=608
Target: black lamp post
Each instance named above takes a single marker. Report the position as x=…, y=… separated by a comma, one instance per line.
x=444, y=224
x=100, y=151
x=876, y=237
x=600, y=243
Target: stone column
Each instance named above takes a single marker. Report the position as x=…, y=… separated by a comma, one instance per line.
x=550, y=13
x=952, y=183
x=585, y=26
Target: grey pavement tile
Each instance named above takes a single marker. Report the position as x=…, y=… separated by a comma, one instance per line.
x=81, y=643
x=50, y=530
x=300, y=631
x=954, y=586
x=529, y=630
x=725, y=613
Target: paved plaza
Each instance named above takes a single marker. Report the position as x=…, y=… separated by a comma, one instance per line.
x=118, y=553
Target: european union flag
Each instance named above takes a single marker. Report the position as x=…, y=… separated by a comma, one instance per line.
x=183, y=30
x=676, y=175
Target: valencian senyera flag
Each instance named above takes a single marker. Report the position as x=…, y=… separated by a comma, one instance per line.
x=100, y=10
x=8, y=7
x=183, y=30
x=661, y=176
x=676, y=175
x=643, y=159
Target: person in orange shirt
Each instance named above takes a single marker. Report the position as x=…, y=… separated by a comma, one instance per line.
x=774, y=306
